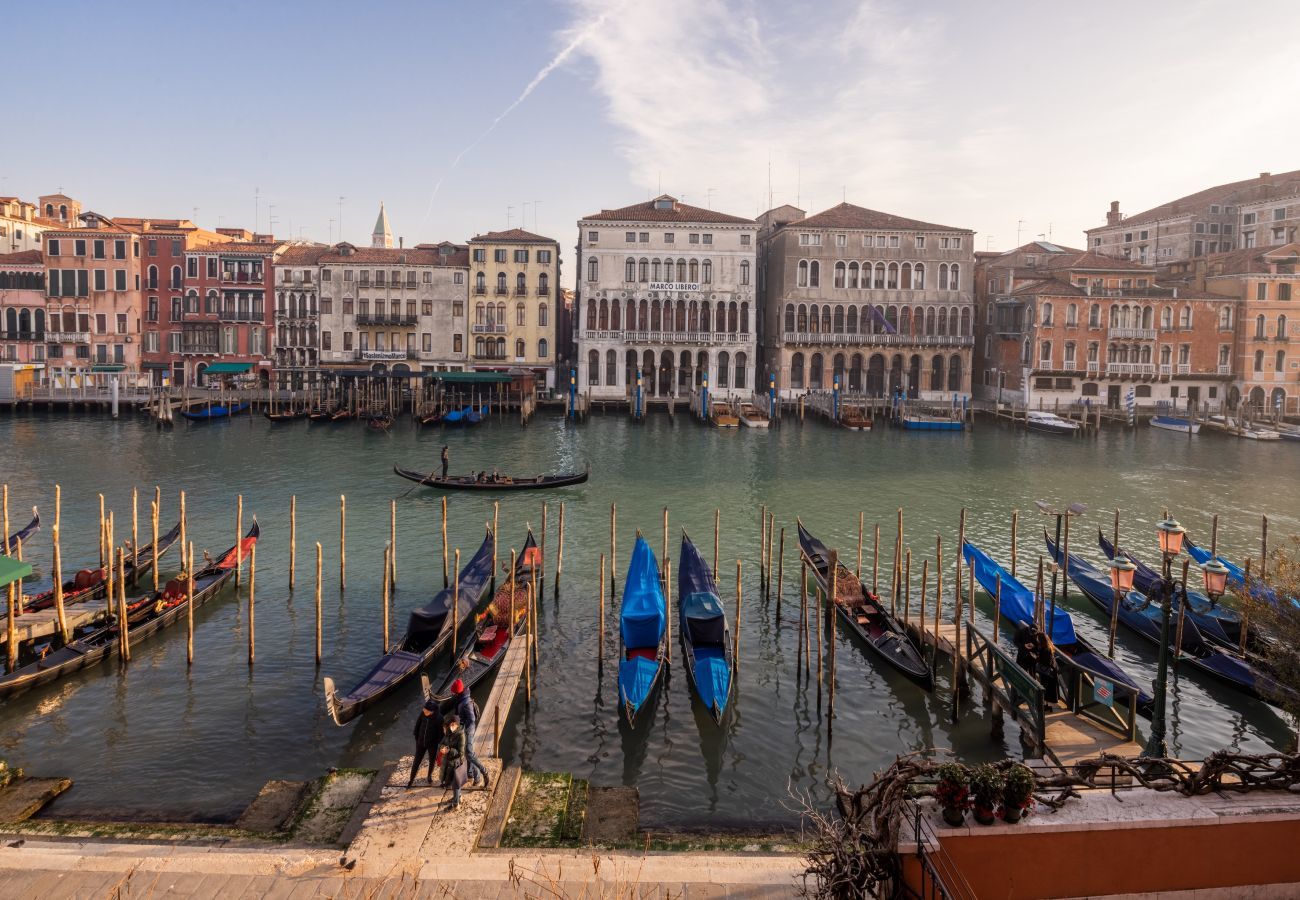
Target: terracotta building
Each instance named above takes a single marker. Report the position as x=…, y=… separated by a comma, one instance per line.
x=1214, y=220
x=227, y=309
x=514, y=283
x=880, y=300
x=1058, y=325
x=23, y=324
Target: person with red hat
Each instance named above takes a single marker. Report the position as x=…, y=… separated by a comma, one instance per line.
x=468, y=712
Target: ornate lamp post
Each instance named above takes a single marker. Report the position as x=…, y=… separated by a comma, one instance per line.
x=1170, y=534
x=1121, y=582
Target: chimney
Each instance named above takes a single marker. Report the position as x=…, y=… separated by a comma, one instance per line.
x=1264, y=175
x=1113, y=217
x=401, y=242
x=1011, y=281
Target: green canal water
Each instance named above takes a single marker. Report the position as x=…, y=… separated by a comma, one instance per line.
x=162, y=739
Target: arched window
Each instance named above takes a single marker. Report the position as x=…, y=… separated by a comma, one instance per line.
x=656, y=321
x=593, y=364
x=542, y=315
x=501, y=314
x=706, y=317
x=629, y=269
x=1147, y=317
x=965, y=323
x=480, y=283
x=1280, y=361
x=851, y=326
x=826, y=320
x=814, y=274
x=838, y=322
x=918, y=276
x=1166, y=355
x=1259, y=360
x=603, y=316
x=954, y=277
x=814, y=319
x=815, y=372
x=654, y=270
x=803, y=273
x=1047, y=314
x=520, y=352
x=892, y=277
x=943, y=276
x=891, y=318
x=694, y=270
x=593, y=269
x=880, y=276
x=176, y=284
x=1281, y=329
x=952, y=321
x=721, y=318
x=803, y=318
x=853, y=275
x=521, y=317
x=153, y=279
x=591, y=314
x=954, y=373
x=943, y=322
x=1259, y=328
x=1225, y=317
x=1072, y=315
x=744, y=272
x=906, y=282
x=936, y=374
x=643, y=316
x=1094, y=315
x=744, y=317
x=839, y=280
x=789, y=317
x=681, y=270
x=521, y=284
x=796, y=371
x=1114, y=316
x=611, y=364
x=1185, y=318
x=643, y=270
x=724, y=368
x=706, y=272
x=741, y=374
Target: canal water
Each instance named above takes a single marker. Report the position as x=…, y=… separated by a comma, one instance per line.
x=160, y=739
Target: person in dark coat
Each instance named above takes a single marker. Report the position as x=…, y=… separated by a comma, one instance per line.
x=1027, y=649
x=428, y=734
x=451, y=754
x=467, y=710
x=446, y=459
x=1047, y=674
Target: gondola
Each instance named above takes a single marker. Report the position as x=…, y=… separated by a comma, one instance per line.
x=1017, y=609
x=485, y=648
x=432, y=418
x=428, y=632
x=1218, y=624
x=290, y=416
x=706, y=640
x=144, y=616
x=212, y=413
x=22, y=534
x=643, y=622
x=320, y=415
x=340, y=414
x=862, y=612
x=511, y=483
x=90, y=584
x=1144, y=618
x=380, y=422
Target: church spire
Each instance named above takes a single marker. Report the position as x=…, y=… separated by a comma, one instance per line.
x=382, y=235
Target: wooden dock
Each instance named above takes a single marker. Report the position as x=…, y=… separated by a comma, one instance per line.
x=45, y=622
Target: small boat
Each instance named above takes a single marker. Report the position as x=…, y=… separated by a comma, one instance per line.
x=340, y=414
x=1237, y=428
x=753, y=417
x=1017, y=610
x=643, y=623
x=723, y=417
x=214, y=412
x=1144, y=617
x=293, y=415
x=454, y=417
x=866, y=617
x=381, y=422
x=432, y=418
x=431, y=629
x=1287, y=432
x=144, y=616
x=855, y=420
x=506, y=482
x=473, y=416
x=1050, y=423
x=493, y=628
x=1173, y=423
x=22, y=534
x=90, y=584
x=320, y=414
x=702, y=624
x=1219, y=624
x=920, y=422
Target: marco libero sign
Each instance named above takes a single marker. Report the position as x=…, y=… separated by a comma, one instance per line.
x=675, y=286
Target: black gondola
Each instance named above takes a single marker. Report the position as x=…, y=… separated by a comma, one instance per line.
x=22, y=534
x=379, y=422
x=144, y=617
x=484, y=482
x=432, y=418
x=320, y=415
x=428, y=632
x=483, y=650
x=861, y=610
x=290, y=416
x=702, y=625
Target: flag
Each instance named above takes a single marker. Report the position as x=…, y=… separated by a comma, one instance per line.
x=1131, y=403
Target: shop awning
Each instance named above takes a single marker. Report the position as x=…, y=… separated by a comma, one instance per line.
x=108, y=368
x=12, y=570
x=155, y=365
x=469, y=377
x=227, y=368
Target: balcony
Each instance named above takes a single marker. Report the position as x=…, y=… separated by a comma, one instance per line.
x=1224, y=370
x=1184, y=369
x=386, y=355
x=291, y=315
x=67, y=337
x=543, y=291
x=1138, y=334
x=1093, y=367
x=27, y=335
x=521, y=291
x=243, y=315
x=487, y=329
x=199, y=350
x=241, y=277
x=1166, y=370
x=670, y=337
x=1130, y=370
x=366, y=319
x=480, y=290
x=501, y=291
x=814, y=338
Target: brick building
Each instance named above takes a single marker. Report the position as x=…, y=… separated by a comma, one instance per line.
x=23, y=328
x=227, y=313
x=1062, y=325
x=1214, y=220
x=883, y=301
x=514, y=283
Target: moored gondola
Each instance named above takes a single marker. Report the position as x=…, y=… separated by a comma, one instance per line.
x=706, y=640
x=485, y=482
x=643, y=622
x=214, y=412
x=22, y=534
x=379, y=422
x=429, y=631
x=861, y=611
x=293, y=415
x=145, y=616
x=504, y=618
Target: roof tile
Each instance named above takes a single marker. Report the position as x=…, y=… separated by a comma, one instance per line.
x=847, y=215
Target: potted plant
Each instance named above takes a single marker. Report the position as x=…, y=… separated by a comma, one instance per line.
x=986, y=786
x=953, y=792
x=1017, y=792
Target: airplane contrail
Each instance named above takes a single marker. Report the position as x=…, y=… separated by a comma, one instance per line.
x=547, y=69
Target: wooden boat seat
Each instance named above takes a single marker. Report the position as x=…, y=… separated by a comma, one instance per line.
x=862, y=620
x=87, y=578
x=488, y=636
x=175, y=589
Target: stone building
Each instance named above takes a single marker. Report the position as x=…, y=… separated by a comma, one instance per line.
x=666, y=289
x=21, y=225
x=23, y=323
x=514, y=283
x=393, y=309
x=882, y=301
x=296, y=333
x=1058, y=325
x=1214, y=220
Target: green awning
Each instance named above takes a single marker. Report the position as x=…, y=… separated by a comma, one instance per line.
x=227, y=368
x=469, y=377
x=12, y=570
x=108, y=368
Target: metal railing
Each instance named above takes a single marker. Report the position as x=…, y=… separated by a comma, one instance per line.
x=1142, y=334
x=488, y=329
x=1130, y=368
x=890, y=340
x=1021, y=693
x=1118, y=714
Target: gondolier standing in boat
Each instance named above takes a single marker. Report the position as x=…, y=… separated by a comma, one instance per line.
x=467, y=711
x=428, y=735
x=446, y=459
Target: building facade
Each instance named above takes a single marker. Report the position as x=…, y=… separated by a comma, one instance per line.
x=394, y=309
x=21, y=225
x=23, y=323
x=669, y=291
x=514, y=283
x=296, y=335
x=880, y=301
x=1057, y=325
x=227, y=313
x=1214, y=220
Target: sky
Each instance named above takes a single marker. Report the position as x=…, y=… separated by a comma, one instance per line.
x=1013, y=119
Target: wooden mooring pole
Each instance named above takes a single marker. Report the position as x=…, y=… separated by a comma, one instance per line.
x=58, y=588
x=717, y=527
x=387, y=586
x=445, y=575
x=392, y=546
x=135, y=536
x=239, y=541
x=318, y=601
x=559, y=552
x=601, y=637
x=780, y=574
x=293, y=538
x=252, y=604
x=831, y=613
x=188, y=564
x=343, y=542
x=153, y=519
x=735, y=632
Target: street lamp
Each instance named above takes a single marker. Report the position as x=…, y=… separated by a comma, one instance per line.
x=1121, y=582
x=1170, y=535
x=1216, y=579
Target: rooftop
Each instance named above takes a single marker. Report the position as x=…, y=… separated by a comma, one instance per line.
x=1251, y=190
x=665, y=208
x=511, y=236
x=846, y=215
x=22, y=258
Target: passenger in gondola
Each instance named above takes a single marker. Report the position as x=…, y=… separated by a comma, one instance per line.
x=451, y=758
x=467, y=712
x=428, y=735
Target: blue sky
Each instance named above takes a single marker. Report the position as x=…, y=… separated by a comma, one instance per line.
x=975, y=115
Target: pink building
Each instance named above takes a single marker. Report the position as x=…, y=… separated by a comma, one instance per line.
x=22, y=307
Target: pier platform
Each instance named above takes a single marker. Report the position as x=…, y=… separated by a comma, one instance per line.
x=45, y=622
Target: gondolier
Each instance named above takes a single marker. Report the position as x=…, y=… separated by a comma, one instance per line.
x=446, y=460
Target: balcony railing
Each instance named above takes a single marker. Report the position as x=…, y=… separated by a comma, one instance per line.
x=480, y=290
x=931, y=340
x=1130, y=369
x=27, y=335
x=1166, y=371
x=1093, y=367
x=386, y=355
x=241, y=315
x=543, y=291
x=1184, y=369
x=501, y=292
x=241, y=278
x=487, y=329
x=1224, y=370
x=68, y=337
x=1140, y=334
x=521, y=291
x=670, y=337
x=391, y=319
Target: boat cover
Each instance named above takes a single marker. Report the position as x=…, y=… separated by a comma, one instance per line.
x=1017, y=600
x=1236, y=575
x=426, y=622
x=643, y=618
x=636, y=677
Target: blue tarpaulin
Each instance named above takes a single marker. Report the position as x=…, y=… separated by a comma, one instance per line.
x=642, y=619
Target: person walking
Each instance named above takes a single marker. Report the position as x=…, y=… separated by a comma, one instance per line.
x=467, y=710
x=428, y=734
x=446, y=460
x=451, y=758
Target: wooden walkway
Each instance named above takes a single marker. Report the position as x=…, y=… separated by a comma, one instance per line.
x=45, y=622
